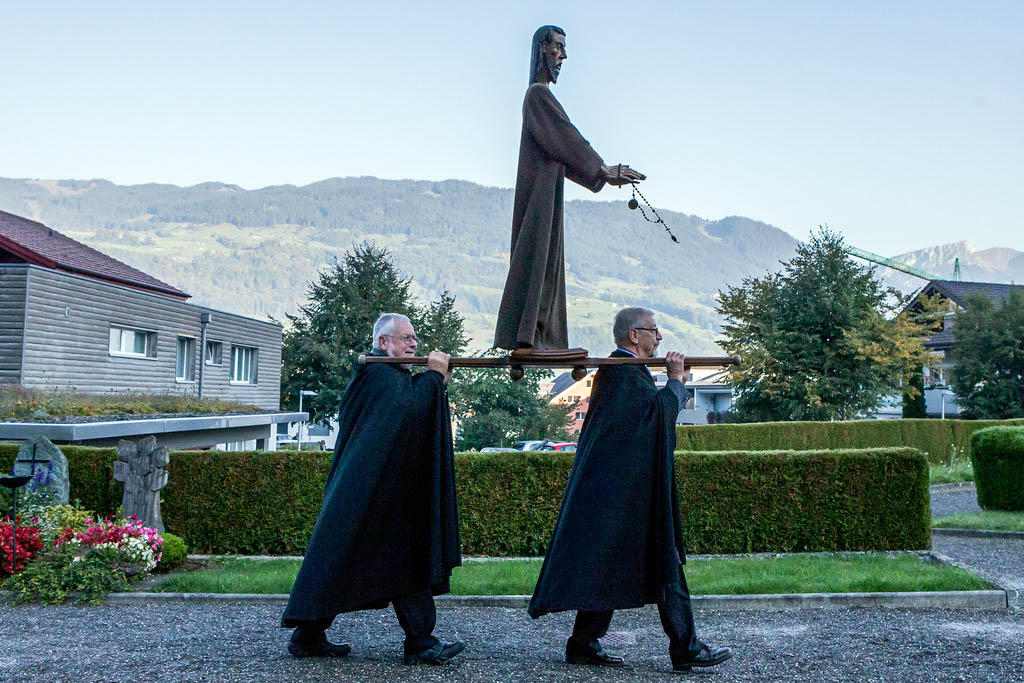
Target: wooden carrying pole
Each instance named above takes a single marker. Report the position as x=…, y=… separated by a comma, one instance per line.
x=515, y=364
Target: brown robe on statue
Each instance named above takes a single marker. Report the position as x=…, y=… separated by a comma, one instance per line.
x=532, y=308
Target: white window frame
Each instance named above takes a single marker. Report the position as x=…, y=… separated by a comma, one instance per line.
x=252, y=377
x=151, y=342
x=190, y=363
x=210, y=362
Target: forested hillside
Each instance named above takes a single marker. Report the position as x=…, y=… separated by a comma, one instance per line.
x=254, y=251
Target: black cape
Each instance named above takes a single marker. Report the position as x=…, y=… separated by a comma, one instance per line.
x=617, y=542
x=388, y=525
x=551, y=149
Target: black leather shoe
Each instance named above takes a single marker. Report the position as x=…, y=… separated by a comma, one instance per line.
x=439, y=654
x=705, y=658
x=594, y=655
x=318, y=647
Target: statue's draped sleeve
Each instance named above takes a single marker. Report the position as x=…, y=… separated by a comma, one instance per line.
x=549, y=127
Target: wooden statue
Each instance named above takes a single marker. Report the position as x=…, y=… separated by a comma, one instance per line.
x=141, y=467
x=532, y=315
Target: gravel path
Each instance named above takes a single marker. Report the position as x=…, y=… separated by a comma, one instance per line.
x=203, y=642
x=960, y=501
x=1000, y=560
x=242, y=643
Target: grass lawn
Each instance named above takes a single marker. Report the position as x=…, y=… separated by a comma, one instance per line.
x=991, y=520
x=726, y=576
x=960, y=469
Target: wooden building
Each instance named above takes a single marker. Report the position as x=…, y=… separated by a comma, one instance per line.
x=73, y=318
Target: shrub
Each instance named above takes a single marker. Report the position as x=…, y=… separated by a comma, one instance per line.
x=61, y=572
x=939, y=440
x=57, y=519
x=997, y=454
x=731, y=502
x=174, y=553
x=267, y=502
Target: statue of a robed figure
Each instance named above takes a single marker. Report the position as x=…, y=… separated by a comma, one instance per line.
x=532, y=316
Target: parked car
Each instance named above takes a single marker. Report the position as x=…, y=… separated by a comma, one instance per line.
x=530, y=445
x=567, y=446
x=496, y=449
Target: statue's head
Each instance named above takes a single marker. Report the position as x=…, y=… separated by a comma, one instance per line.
x=547, y=55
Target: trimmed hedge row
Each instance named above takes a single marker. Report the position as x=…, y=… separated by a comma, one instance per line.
x=732, y=502
x=997, y=454
x=937, y=439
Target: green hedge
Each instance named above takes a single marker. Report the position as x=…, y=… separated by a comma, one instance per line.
x=997, y=454
x=939, y=440
x=266, y=502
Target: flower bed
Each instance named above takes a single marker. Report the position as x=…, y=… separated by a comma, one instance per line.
x=63, y=552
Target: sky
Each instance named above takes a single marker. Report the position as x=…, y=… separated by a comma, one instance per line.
x=898, y=124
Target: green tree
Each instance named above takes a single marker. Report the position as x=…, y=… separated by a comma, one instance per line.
x=322, y=342
x=929, y=312
x=988, y=353
x=492, y=410
x=820, y=340
x=440, y=327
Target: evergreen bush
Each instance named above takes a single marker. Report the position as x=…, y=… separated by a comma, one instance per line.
x=174, y=551
x=939, y=440
x=733, y=501
x=997, y=454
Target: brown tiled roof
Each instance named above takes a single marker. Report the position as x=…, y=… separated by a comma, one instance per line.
x=43, y=246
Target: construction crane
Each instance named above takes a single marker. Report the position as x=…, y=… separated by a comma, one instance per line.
x=896, y=265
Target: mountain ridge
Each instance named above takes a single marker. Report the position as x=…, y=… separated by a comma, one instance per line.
x=255, y=251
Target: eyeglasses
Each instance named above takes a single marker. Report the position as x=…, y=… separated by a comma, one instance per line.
x=405, y=338
x=649, y=329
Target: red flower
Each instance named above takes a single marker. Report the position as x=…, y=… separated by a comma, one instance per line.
x=28, y=545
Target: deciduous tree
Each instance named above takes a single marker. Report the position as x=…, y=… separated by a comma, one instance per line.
x=820, y=340
x=988, y=356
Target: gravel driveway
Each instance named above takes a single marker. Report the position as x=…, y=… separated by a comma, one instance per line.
x=209, y=642
x=187, y=642
x=958, y=501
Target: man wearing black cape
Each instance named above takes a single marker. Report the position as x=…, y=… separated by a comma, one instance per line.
x=388, y=528
x=532, y=312
x=618, y=543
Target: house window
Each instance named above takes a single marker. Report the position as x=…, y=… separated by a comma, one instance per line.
x=580, y=415
x=214, y=353
x=127, y=341
x=186, y=368
x=243, y=365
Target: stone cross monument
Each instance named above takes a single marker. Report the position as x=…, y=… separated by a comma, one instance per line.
x=141, y=467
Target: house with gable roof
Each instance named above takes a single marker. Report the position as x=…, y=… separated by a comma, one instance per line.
x=73, y=318
x=939, y=398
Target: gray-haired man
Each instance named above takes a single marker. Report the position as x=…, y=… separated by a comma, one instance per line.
x=388, y=528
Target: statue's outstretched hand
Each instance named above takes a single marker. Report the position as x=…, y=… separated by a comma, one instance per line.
x=621, y=174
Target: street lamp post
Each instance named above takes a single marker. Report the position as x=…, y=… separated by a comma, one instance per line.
x=303, y=392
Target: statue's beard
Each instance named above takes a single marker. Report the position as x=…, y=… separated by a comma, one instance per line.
x=553, y=67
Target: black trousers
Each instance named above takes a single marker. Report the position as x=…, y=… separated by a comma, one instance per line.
x=676, y=614
x=416, y=615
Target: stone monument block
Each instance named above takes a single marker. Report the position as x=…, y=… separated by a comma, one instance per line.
x=43, y=461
